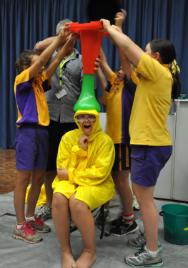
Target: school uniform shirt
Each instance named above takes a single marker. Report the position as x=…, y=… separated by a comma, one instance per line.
x=89, y=171
x=152, y=101
x=119, y=101
x=30, y=99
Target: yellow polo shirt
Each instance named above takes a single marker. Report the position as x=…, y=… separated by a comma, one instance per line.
x=114, y=109
x=148, y=122
x=30, y=99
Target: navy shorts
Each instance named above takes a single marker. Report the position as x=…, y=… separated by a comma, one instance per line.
x=122, y=157
x=55, y=131
x=147, y=162
x=31, y=147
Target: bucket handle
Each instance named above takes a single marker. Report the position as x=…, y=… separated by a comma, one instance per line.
x=161, y=213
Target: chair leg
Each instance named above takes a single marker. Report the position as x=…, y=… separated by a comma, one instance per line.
x=103, y=219
x=102, y=216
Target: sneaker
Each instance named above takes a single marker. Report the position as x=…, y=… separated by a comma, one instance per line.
x=139, y=242
x=117, y=221
x=44, y=213
x=135, y=205
x=39, y=225
x=27, y=234
x=144, y=259
x=124, y=228
x=73, y=228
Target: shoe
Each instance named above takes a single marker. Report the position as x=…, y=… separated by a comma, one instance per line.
x=73, y=228
x=136, y=208
x=143, y=259
x=135, y=205
x=27, y=234
x=139, y=242
x=44, y=212
x=118, y=221
x=39, y=225
x=124, y=228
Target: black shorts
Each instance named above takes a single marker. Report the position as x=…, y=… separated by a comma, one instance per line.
x=55, y=132
x=122, y=157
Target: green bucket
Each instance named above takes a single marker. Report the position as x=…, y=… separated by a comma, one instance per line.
x=175, y=218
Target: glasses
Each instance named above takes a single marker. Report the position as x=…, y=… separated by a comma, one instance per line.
x=82, y=118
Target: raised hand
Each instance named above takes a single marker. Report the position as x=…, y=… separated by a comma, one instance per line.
x=120, y=18
x=64, y=34
x=69, y=43
x=83, y=142
x=106, y=24
x=62, y=174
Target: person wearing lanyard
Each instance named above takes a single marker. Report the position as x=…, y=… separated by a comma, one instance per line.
x=64, y=92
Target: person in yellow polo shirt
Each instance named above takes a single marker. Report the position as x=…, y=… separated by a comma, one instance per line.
x=150, y=139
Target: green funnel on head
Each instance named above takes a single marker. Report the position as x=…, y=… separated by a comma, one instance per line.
x=87, y=99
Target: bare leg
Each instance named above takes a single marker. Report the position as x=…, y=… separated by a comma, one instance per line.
x=50, y=175
x=61, y=218
x=149, y=212
x=121, y=180
x=22, y=182
x=83, y=219
x=34, y=191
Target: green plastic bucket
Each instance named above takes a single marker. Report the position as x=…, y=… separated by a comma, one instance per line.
x=175, y=218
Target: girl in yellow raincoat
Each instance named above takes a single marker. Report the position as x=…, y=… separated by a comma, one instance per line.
x=83, y=183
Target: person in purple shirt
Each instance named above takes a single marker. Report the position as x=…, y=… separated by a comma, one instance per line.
x=32, y=134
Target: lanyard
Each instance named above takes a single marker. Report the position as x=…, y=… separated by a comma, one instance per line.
x=62, y=64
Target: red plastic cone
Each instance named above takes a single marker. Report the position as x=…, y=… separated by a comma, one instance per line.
x=91, y=39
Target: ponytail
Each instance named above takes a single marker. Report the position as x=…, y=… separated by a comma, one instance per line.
x=168, y=56
x=176, y=87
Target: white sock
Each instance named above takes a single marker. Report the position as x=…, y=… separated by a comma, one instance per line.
x=128, y=218
x=30, y=218
x=152, y=253
x=19, y=226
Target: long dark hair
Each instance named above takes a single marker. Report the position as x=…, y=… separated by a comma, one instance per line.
x=168, y=56
x=24, y=60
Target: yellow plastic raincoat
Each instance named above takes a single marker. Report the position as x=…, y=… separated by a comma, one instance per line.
x=89, y=170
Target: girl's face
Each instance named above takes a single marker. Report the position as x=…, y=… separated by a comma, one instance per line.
x=86, y=122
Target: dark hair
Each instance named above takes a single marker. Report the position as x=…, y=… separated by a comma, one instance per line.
x=168, y=56
x=24, y=60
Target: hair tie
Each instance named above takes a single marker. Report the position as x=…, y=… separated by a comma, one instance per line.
x=174, y=67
